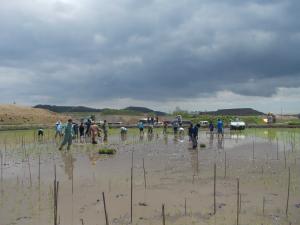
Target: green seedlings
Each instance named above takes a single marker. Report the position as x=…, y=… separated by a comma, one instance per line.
x=107, y=151
x=202, y=145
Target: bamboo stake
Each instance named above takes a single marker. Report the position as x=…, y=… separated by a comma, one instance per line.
x=105, y=211
x=277, y=150
x=288, y=193
x=1, y=155
x=131, y=195
x=72, y=167
x=240, y=207
x=284, y=158
x=39, y=174
x=253, y=151
x=29, y=171
x=225, y=166
x=163, y=214
x=184, y=206
x=197, y=163
x=238, y=201
x=215, y=177
x=144, y=174
x=264, y=201
x=82, y=223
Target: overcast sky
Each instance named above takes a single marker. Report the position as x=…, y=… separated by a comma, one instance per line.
x=195, y=54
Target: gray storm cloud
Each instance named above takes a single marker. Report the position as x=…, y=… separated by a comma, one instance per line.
x=147, y=50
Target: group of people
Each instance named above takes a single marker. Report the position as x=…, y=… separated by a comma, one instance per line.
x=220, y=129
x=90, y=129
x=71, y=130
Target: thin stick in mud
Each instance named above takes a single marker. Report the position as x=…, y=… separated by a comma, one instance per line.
x=277, y=149
x=184, y=206
x=131, y=188
x=39, y=173
x=215, y=178
x=30, y=180
x=253, y=151
x=105, y=210
x=1, y=156
x=144, y=174
x=263, y=209
x=225, y=166
x=55, y=200
x=82, y=223
x=284, y=152
x=238, y=201
x=288, y=193
x=163, y=214
x=72, y=167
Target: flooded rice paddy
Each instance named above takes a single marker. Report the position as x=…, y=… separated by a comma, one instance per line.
x=165, y=170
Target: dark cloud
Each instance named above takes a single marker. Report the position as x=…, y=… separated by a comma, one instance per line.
x=148, y=50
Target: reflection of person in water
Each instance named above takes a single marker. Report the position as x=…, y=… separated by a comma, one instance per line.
x=211, y=141
x=123, y=133
x=175, y=138
x=166, y=139
x=150, y=136
x=220, y=143
x=194, y=161
x=141, y=136
x=68, y=160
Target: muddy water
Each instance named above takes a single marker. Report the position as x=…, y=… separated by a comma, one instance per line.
x=176, y=175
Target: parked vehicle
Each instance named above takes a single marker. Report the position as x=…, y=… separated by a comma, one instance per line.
x=204, y=123
x=237, y=125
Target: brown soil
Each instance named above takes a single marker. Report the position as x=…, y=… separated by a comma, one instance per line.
x=16, y=114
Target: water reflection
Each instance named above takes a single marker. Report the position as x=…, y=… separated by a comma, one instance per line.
x=150, y=136
x=211, y=141
x=220, y=143
x=123, y=137
x=141, y=136
x=165, y=139
x=175, y=138
x=68, y=160
x=194, y=161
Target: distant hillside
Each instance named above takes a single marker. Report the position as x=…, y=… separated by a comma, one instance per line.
x=65, y=109
x=145, y=110
x=132, y=110
x=20, y=115
x=233, y=112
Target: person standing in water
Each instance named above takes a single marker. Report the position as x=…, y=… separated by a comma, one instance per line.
x=195, y=135
x=105, y=130
x=211, y=127
x=81, y=132
x=94, y=132
x=67, y=136
x=58, y=129
x=220, y=127
x=141, y=127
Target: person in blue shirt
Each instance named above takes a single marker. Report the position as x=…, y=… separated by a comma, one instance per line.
x=141, y=127
x=220, y=127
x=195, y=135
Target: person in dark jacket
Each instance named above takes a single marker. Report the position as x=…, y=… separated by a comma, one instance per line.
x=195, y=135
x=211, y=127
